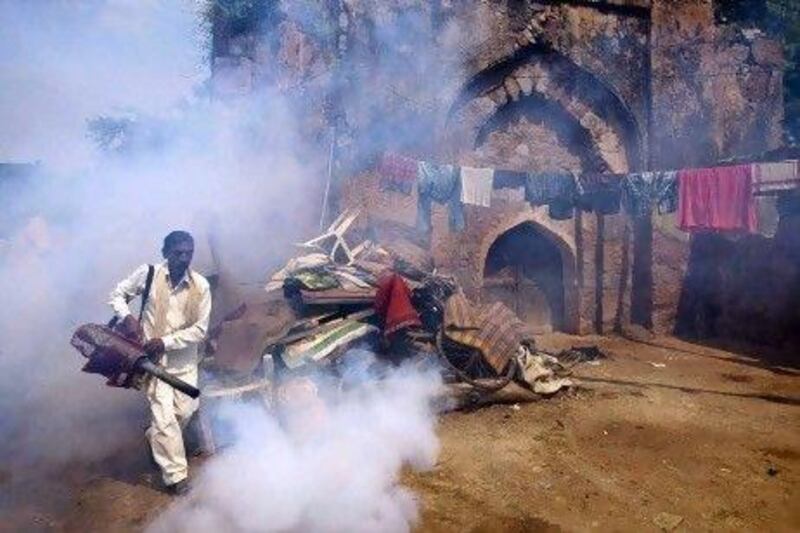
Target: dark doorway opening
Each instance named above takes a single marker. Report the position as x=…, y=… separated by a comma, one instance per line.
x=524, y=271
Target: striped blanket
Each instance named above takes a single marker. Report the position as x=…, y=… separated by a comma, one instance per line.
x=493, y=329
x=316, y=348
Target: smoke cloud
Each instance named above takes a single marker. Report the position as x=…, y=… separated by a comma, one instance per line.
x=66, y=61
x=232, y=172
x=333, y=464
x=239, y=175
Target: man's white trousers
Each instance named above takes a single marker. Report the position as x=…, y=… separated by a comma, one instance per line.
x=170, y=411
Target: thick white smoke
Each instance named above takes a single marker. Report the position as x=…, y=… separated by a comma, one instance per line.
x=235, y=172
x=65, y=61
x=329, y=467
x=89, y=231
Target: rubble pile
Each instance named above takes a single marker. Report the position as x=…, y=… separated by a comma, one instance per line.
x=387, y=298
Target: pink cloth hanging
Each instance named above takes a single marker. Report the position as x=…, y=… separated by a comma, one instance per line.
x=717, y=199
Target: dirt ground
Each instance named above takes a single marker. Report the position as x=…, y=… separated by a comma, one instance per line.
x=663, y=434
x=663, y=427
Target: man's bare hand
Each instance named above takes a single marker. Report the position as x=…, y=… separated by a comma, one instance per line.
x=154, y=348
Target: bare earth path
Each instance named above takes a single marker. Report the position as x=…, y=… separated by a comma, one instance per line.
x=707, y=437
x=663, y=431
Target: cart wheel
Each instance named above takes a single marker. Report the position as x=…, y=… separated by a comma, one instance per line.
x=486, y=385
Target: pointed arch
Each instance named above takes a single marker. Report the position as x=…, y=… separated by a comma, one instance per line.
x=538, y=77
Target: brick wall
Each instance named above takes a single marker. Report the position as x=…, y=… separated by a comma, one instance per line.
x=528, y=86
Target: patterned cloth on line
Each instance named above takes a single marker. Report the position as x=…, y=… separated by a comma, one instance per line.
x=442, y=184
x=398, y=172
x=643, y=191
x=476, y=186
x=544, y=188
x=557, y=190
x=774, y=177
x=508, y=179
x=600, y=193
x=493, y=329
x=320, y=346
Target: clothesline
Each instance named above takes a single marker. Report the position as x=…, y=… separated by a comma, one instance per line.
x=720, y=198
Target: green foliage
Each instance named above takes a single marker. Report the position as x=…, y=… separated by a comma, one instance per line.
x=243, y=17
x=788, y=12
x=110, y=134
x=130, y=134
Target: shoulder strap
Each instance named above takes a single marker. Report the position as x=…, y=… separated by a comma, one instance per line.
x=147, y=285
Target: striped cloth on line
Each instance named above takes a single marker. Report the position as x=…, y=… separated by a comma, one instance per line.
x=398, y=173
x=775, y=177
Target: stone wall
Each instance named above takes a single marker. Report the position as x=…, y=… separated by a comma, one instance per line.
x=717, y=93
x=744, y=288
x=539, y=94
x=463, y=254
x=533, y=86
x=717, y=90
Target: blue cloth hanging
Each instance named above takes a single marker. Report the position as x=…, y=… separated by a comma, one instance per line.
x=440, y=184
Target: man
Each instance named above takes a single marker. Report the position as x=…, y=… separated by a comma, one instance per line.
x=174, y=322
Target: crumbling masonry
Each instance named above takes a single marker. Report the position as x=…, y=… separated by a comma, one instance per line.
x=537, y=86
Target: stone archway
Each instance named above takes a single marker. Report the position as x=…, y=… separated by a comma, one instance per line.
x=532, y=270
x=539, y=79
x=537, y=110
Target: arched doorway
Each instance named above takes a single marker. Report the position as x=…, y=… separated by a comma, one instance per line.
x=524, y=269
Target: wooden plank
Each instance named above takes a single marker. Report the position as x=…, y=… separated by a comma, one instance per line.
x=623, y=277
x=355, y=317
x=599, y=270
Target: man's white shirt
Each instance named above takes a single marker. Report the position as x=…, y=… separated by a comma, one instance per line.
x=180, y=340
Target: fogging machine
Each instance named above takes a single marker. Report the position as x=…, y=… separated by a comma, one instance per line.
x=120, y=359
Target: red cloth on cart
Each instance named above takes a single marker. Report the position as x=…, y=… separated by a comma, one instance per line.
x=393, y=304
x=719, y=199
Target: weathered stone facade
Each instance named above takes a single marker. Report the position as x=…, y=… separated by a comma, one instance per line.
x=716, y=89
x=607, y=86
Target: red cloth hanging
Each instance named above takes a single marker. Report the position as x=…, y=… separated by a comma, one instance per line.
x=719, y=199
x=393, y=304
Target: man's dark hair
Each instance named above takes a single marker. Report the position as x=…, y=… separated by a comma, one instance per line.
x=176, y=237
